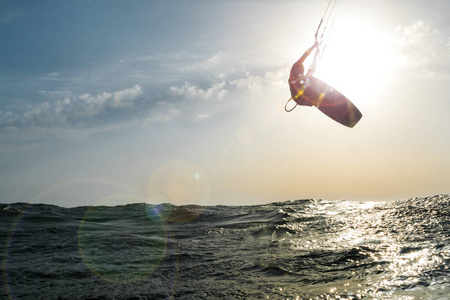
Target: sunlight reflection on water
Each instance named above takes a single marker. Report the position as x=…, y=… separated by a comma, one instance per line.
x=304, y=249
x=391, y=257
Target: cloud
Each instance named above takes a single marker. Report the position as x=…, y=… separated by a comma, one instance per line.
x=216, y=91
x=254, y=83
x=69, y=110
x=212, y=77
x=424, y=48
x=225, y=75
x=125, y=97
x=160, y=116
x=221, y=60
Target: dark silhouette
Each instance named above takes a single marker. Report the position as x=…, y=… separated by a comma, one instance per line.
x=296, y=77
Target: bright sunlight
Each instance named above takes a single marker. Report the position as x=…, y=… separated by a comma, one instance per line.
x=356, y=58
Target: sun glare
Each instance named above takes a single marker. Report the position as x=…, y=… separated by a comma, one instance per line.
x=356, y=59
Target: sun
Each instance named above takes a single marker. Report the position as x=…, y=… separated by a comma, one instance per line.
x=356, y=59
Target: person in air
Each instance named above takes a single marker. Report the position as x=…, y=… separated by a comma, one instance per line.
x=296, y=77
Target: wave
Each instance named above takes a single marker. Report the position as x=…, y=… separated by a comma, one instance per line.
x=309, y=248
x=419, y=210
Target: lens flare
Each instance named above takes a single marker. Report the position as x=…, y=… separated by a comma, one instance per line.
x=158, y=212
x=114, y=249
x=182, y=184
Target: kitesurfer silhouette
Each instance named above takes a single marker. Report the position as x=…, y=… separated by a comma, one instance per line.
x=308, y=90
x=297, y=77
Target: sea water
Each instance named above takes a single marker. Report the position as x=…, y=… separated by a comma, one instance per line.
x=303, y=249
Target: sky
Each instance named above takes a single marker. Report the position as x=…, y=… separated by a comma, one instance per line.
x=182, y=101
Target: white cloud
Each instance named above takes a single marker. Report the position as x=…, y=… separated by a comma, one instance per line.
x=64, y=107
x=68, y=109
x=220, y=60
x=244, y=80
x=201, y=117
x=90, y=105
x=217, y=91
x=125, y=97
x=255, y=83
x=424, y=48
x=161, y=116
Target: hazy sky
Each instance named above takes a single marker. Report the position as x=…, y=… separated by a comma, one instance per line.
x=183, y=101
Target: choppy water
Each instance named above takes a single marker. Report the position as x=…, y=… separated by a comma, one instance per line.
x=305, y=249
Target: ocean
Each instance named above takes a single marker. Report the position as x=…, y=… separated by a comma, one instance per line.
x=302, y=249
